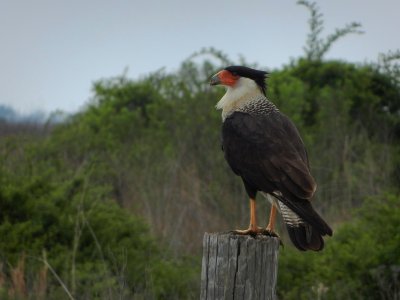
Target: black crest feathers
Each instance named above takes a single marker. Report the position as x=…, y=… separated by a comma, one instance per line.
x=258, y=76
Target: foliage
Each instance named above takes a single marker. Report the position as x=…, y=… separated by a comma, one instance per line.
x=389, y=63
x=350, y=101
x=151, y=148
x=362, y=261
x=96, y=247
x=316, y=47
x=113, y=202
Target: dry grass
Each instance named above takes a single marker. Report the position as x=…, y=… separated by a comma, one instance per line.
x=40, y=287
x=18, y=289
x=14, y=285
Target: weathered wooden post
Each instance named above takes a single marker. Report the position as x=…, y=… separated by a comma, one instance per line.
x=239, y=266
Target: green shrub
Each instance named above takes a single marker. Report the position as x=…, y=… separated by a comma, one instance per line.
x=97, y=248
x=360, y=261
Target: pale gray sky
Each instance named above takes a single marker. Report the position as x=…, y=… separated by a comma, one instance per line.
x=53, y=50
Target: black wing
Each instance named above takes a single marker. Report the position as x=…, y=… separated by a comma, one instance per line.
x=269, y=155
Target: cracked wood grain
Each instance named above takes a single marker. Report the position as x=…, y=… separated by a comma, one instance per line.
x=239, y=267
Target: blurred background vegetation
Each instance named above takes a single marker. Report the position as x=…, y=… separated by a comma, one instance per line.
x=113, y=202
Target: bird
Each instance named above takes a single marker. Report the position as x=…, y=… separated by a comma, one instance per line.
x=264, y=147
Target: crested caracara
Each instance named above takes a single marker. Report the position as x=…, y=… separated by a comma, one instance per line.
x=264, y=148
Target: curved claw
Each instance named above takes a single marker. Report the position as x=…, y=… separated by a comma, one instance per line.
x=249, y=231
x=272, y=233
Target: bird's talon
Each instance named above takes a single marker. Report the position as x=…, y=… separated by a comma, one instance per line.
x=271, y=233
x=249, y=231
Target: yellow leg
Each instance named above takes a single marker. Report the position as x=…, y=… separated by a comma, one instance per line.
x=253, y=229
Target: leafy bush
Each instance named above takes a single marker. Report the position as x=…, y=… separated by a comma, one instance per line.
x=361, y=261
x=95, y=247
x=71, y=193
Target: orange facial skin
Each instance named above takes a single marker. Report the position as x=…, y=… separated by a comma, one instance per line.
x=227, y=78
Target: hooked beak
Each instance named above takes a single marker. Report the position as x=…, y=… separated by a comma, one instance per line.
x=215, y=80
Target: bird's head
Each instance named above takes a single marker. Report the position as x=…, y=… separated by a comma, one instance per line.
x=237, y=76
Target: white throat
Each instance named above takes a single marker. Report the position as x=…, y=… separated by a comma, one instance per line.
x=244, y=91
